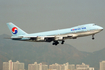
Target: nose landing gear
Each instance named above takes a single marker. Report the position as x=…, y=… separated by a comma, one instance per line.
x=93, y=37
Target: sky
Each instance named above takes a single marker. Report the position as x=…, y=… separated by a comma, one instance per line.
x=44, y=15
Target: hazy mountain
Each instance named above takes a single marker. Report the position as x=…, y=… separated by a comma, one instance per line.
x=29, y=52
x=94, y=58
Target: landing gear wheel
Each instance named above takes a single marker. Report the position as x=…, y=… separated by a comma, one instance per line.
x=55, y=43
x=93, y=37
x=62, y=42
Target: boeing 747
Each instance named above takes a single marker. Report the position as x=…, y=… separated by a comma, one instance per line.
x=55, y=35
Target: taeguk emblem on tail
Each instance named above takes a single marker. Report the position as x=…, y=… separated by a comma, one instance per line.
x=14, y=30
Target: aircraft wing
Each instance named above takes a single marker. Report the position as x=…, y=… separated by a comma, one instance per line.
x=48, y=38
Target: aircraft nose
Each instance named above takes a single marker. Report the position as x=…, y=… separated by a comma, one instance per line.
x=101, y=28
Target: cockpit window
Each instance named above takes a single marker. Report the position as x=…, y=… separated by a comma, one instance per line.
x=94, y=24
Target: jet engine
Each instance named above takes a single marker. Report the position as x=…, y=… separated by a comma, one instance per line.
x=40, y=39
x=58, y=38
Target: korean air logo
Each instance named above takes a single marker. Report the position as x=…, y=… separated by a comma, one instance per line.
x=14, y=30
x=78, y=29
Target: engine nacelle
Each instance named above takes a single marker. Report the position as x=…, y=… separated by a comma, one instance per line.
x=59, y=38
x=40, y=39
x=74, y=35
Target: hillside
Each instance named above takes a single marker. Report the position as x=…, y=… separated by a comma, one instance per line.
x=29, y=52
x=94, y=58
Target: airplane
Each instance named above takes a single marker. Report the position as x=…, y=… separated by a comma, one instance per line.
x=55, y=35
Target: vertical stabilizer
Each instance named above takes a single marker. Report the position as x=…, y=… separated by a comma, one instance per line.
x=15, y=31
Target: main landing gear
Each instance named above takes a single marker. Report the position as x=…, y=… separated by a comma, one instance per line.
x=56, y=42
x=62, y=42
x=93, y=37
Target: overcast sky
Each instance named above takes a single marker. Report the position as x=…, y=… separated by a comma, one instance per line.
x=44, y=15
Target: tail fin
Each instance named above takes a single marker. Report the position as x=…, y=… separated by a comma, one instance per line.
x=15, y=31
